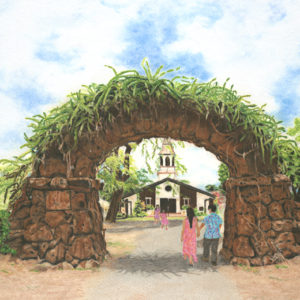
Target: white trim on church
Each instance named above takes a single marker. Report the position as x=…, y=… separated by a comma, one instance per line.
x=168, y=192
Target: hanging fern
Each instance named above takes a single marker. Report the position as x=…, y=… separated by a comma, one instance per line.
x=91, y=108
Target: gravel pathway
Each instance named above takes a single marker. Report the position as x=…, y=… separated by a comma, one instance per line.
x=156, y=270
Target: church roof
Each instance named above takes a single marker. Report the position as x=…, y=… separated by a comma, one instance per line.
x=167, y=147
x=174, y=181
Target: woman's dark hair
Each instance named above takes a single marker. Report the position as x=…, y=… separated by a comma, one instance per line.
x=212, y=207
x=190, y=214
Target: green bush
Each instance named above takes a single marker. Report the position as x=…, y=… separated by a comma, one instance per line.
x=197, y=212
x=202, y=214
x=121, y=215
x=149, y=207
x=138, y=209
x=4, y=232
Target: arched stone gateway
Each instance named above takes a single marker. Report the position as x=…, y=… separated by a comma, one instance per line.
x=58, y=217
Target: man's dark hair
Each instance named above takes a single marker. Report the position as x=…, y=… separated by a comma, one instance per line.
x=212, y=207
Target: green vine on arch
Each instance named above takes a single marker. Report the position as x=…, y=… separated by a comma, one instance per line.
x=92, y=109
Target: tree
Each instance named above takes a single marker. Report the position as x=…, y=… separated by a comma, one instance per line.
x=289, y=159
x=295, y=131
x=12, y=176
x=223, y=173
x=138, y=209
x=114, y=189
x=115, y=172
x=155, y=145
x=4, y=183
x=120, y=176
x=211, y=187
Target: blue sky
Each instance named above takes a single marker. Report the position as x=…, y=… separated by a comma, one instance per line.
x=49, y=48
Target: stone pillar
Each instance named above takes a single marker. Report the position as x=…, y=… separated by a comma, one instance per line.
x=259, y=220
x=296, y=228
x=57, y=220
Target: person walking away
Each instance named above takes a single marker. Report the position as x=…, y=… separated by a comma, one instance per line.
x=164, y=220
x=213, y=224
x=156, y=214
x=188, y=236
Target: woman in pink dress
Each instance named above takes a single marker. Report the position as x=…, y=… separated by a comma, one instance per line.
x=188, y=236
x=164, y=220
x=156, y=214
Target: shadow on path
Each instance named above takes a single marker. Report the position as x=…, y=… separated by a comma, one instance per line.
x=156, y=269
x=160, y=264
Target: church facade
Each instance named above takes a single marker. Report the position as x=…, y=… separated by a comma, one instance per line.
x=170, y=194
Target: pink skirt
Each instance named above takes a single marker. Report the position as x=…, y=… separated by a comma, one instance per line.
x=164, y=219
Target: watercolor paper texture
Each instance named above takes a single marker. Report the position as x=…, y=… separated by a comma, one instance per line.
x=49, y=49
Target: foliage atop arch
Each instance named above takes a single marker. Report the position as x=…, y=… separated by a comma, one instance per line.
x=94, y=106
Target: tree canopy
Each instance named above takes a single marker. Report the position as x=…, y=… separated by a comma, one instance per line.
x=289, y=157
x=108, y=172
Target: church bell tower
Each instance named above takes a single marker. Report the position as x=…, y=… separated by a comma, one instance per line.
x=166, y=160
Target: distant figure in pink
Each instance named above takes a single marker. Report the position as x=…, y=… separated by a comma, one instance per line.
x=188, y=236
x=164, y=220
x=156, y=214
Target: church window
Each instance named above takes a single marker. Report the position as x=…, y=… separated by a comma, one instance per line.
x=148, y=200
x=186, y=201
x=167, y=161
x=161, y=161
x=168, y=188
x=173, y=164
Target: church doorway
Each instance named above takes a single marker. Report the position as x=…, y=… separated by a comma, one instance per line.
x=128, y=208
x=168, y=204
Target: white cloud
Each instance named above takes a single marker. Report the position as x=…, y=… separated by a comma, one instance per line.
x=11, y=117
x=87, y=32
x=11, y=120
x=202, y=165
x=91, y=33
x=246, y=44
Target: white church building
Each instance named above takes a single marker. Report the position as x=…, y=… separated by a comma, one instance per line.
x=168, y=192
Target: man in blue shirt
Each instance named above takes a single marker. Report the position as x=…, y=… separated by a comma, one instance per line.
x=213, y=224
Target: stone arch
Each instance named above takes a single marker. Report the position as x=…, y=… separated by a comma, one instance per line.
x=58, y=217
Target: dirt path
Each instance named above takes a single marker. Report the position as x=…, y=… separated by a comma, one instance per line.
x=156, y=270
x=147, y=264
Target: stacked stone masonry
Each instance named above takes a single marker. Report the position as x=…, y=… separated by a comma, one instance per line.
x=58, y=220
x=260, y=219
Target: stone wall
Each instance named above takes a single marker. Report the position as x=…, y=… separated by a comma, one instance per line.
x=58, y=220
x=58, y=217
x=259, y=220
x=296, y=227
